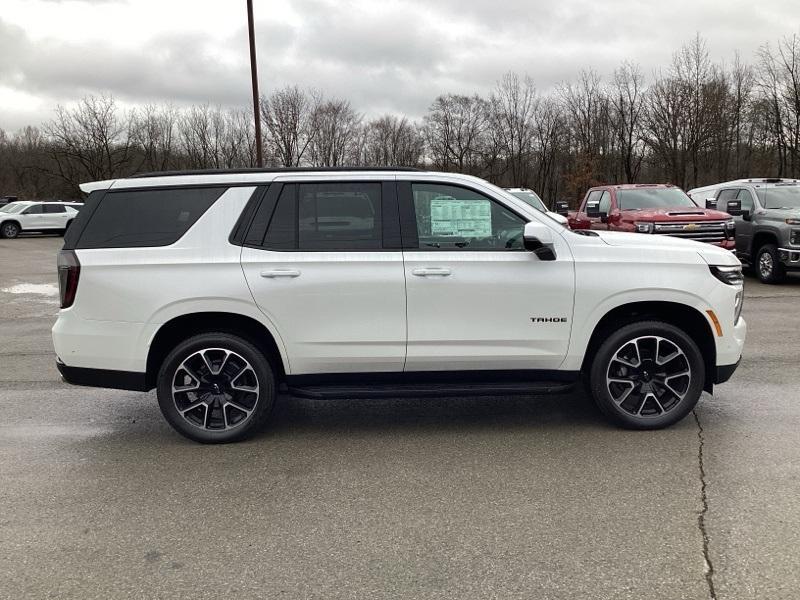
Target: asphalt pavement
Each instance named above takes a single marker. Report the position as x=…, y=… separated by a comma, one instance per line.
x=433, y=498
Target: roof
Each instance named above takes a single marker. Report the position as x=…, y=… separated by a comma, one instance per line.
x=633, y=186
x=266, y=170
x=243, y=176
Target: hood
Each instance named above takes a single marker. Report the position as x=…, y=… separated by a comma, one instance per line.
x=713, y=255
x=678, y=213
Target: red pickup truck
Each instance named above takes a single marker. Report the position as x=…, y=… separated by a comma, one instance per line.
x=653, y=208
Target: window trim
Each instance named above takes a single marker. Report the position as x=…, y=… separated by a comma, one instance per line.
x=391, y=238
x=408, y=217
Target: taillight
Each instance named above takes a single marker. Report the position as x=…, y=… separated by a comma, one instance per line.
x=69, y=270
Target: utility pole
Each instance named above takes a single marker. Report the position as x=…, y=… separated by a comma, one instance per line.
x=254, y=76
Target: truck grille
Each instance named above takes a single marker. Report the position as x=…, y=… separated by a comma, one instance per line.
x=701, y=231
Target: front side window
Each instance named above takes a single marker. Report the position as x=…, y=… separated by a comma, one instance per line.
x=456, y=218
x=36, y=209
x=605, y=203
x=747, y=200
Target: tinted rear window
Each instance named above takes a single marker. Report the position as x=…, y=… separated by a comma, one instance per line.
x=137, y=218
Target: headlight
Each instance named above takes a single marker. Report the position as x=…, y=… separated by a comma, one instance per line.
x=793, y=221
x=643, y=227
x=730, y=225
x=732, y=275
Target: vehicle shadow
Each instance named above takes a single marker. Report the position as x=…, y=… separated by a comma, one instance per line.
x=572, y=410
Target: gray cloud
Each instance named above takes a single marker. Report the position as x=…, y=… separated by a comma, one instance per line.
x=393, y=56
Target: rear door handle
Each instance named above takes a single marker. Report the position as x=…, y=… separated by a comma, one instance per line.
x=431, y=272
x=280, y=273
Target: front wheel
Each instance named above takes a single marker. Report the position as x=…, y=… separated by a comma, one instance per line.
x=647, y=375
x=10, y=230
x=769, y=267
x=216, y=388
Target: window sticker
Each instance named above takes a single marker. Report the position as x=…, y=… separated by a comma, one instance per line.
x=461, y=218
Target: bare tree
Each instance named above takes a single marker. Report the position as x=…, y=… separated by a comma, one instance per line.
x=90, y=141
x=336, y=134
x=391, y=141
x=454, y=130
x=512, y=106
x=288, y=115
x=627, y=108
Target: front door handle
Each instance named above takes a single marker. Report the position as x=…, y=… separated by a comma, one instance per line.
x=431, y=272
x=280, y=273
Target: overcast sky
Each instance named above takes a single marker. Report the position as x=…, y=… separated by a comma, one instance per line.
x=383, y=55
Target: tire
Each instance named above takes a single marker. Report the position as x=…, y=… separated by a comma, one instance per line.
x=9, y=230
x=768, y=266
x=228, y=388
x=661, y=390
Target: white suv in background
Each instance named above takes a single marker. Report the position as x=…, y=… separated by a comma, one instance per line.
x=18, y=217
x=221, y=288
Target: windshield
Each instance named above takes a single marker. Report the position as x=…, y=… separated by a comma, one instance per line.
x=532, y=199
x=13, y=207
x=780, y=197
x=642, y=198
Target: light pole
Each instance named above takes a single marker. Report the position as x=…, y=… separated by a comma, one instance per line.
x=254, y=76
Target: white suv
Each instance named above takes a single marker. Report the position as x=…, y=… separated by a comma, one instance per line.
x=17, y=217
x=220, y=289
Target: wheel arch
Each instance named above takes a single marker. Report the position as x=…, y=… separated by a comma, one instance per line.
x=14, y=221
x=761, y=238
x=181, y=327
x=687, y=318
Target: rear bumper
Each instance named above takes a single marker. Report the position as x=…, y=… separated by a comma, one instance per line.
x=725, y=372
x=103, y=378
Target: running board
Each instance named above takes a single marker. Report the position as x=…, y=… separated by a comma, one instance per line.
x=410, y=390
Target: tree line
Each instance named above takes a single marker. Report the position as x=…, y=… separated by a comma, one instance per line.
x=691, y=123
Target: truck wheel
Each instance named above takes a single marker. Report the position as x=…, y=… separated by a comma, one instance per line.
x=10, y=230
x=647, y=375
x=215, y=388
x=769, y=267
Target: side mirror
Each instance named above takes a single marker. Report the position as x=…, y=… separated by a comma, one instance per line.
x=562, y=208
x=735, y=208
x=593, y=211
x=711, y=203
x=538, y=238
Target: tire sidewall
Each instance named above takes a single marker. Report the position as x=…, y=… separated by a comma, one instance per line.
x=247, y=350
x=777, y=267
x=3, y=230
x=600, y=364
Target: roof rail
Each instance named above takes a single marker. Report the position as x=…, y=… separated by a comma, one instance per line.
x=265, y=170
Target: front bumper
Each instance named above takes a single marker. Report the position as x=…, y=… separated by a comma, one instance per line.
x=790, y=257
x=725, y=372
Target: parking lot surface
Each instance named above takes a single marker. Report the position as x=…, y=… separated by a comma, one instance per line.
x=436, y=498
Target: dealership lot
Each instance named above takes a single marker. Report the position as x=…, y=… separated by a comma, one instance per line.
x=492, y=497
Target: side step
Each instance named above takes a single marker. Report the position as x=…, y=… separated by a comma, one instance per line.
x=431, y=390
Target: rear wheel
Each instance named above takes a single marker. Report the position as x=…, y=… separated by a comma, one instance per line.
x=647, y=375
x=10, y=230
x=768, y=267
x=216, y=388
